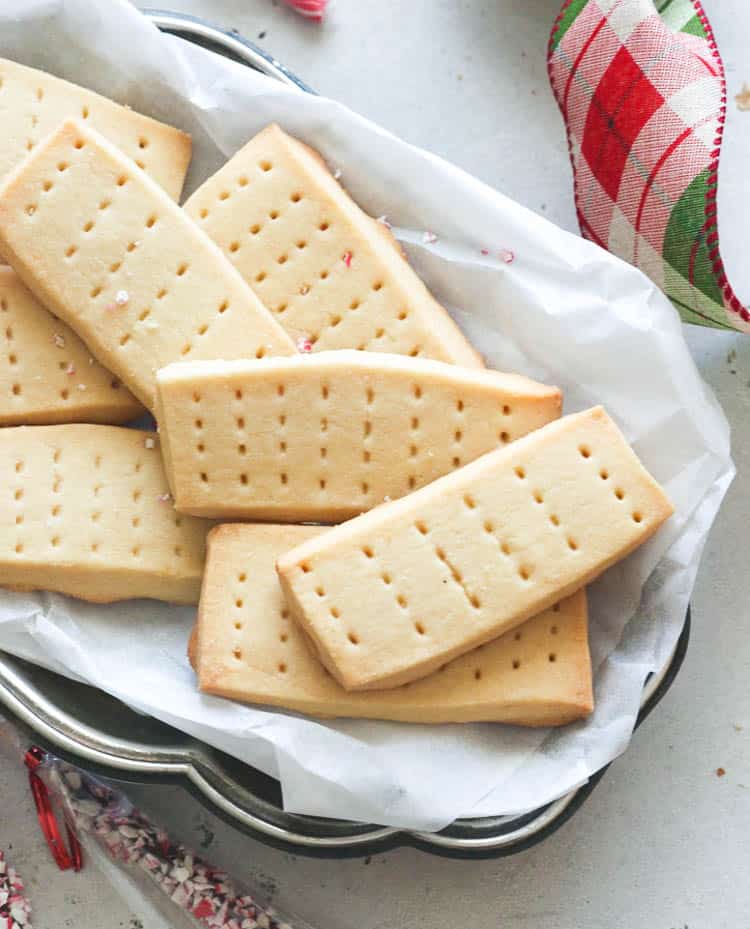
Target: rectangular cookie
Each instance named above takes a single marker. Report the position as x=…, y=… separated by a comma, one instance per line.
x=246, y=647
x=34, y=104
x=47, y=374
x=85, y=511
x=323, y=437
x=108, y=252
x=390, y=596
x=329, y=272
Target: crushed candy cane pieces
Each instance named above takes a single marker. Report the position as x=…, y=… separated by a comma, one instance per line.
x=304, y=345
x=15, y=909
x=347, y=259
x=505, y=254
x=429, y=237
x=122, y=298
x=70, y=370
x=164, y=498
x=129, y=836
x=383, y=220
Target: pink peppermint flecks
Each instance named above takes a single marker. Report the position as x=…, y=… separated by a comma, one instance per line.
x=429, y=237
x=164, y=498
x=70, y=370
x=507, y=256
x=15, y=909
x=310, y=9
x=383, y=220
x=347, y=259
x=485, y=251
x=304, y=345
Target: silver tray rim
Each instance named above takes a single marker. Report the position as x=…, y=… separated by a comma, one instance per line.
x=195, y=762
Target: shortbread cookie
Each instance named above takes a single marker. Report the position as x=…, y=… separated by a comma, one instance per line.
x=247, y=647
x=85, y=511
x=35, y=103
x=108, y=252
x=390, y=596
x=327, y=436
x=47, y=374
x=330, y=273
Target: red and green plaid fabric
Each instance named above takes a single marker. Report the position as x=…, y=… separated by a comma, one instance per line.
x=642, y=91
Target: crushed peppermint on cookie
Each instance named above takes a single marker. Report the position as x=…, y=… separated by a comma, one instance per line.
x=485, y=251
x=383, y=220
x=429, y=237
x=164, y=498
x=347, y=259
x=304, y=345
x=70, y=370
x=507, y=256
x=122, y=297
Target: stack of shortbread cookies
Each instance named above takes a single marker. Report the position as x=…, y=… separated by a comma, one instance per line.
x=301, y=375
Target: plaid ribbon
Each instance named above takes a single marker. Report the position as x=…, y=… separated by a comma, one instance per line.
x=643, y=95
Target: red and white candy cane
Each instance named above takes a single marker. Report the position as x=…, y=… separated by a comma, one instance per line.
x=312, y=9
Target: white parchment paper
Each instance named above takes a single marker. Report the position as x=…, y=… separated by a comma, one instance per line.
x=563, y=311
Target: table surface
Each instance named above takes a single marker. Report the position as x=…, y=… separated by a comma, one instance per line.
x=663, y=841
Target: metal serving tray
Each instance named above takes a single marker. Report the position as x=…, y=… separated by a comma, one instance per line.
x=90, y=728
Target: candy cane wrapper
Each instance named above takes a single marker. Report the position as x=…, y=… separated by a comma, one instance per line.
x=167, y=883
x=643, y=96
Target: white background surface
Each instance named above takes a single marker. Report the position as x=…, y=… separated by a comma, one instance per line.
x=663, y=842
